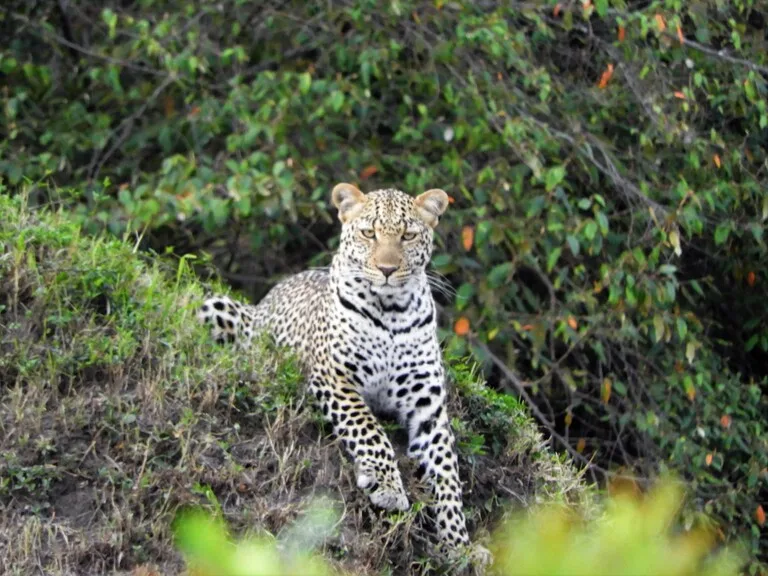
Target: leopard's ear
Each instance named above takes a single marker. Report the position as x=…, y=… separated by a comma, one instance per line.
x=348, y=200
x=431, y=204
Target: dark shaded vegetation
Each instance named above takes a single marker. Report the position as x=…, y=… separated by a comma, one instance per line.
x=608, y=164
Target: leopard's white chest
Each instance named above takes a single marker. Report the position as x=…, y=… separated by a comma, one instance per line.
x=380, y=351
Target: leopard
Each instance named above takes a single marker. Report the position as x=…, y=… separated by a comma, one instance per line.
x=365, y=333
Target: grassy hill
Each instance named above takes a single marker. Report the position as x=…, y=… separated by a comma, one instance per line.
x=116, y=411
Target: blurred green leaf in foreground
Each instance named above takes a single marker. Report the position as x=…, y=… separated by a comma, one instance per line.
x=634, y=535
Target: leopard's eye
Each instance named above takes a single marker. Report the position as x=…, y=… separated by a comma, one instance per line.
x=368, y=233
x=409, y=236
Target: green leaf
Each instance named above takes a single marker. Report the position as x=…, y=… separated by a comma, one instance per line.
x=667, y=269
x=553, y=177
x=573, y=244
x=464, y=295
x=601, y=7
x=441, y=260
x=305, y=82
x=499, y=274
x=690, y=352
x=749, y=90
x=337, y=100
x=752, y=342
x=553, y=258
x=590, y=230
x=125, y=198
x=110, y=19
x=721, y=233
x=365, y=73
x=602, y=221
x=658, y=326
x=483, y=231
x=697, y=287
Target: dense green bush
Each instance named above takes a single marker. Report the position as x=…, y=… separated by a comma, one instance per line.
x=607, y=162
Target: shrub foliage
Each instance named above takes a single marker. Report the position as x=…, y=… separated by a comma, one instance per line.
x=607, y=162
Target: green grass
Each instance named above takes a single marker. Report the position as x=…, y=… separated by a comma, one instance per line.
x=117, y=412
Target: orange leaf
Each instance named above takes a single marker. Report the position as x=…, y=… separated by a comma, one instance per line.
x=451, y=199
x=605, y=392
x=720, y=535
x=680, y=35
x=572, y=322
x=467, y=237
x=606, y=76
x=680, y=95
x=169, y=106
x=760, y=515
x=580, y=445
x=660, y=24
x=725, y=421
x=528, y=327
x=751, y=278
x=461, y=327
x=622, y=33
x=556, y=10
x=691, y=393
x=367, y=172
x=716, y=158
x=708, y=459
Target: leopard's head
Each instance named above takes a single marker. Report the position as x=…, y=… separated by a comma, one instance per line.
x=386, y=235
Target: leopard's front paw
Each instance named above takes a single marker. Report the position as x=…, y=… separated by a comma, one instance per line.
x=386, y=487
x=472, y=558
x=479, y=556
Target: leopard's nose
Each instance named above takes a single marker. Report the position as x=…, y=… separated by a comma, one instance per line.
x=387, y=270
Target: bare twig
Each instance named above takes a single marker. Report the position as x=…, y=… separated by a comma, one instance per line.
x=722, y=55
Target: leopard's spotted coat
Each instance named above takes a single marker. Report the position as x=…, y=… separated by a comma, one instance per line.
x=365, y=332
